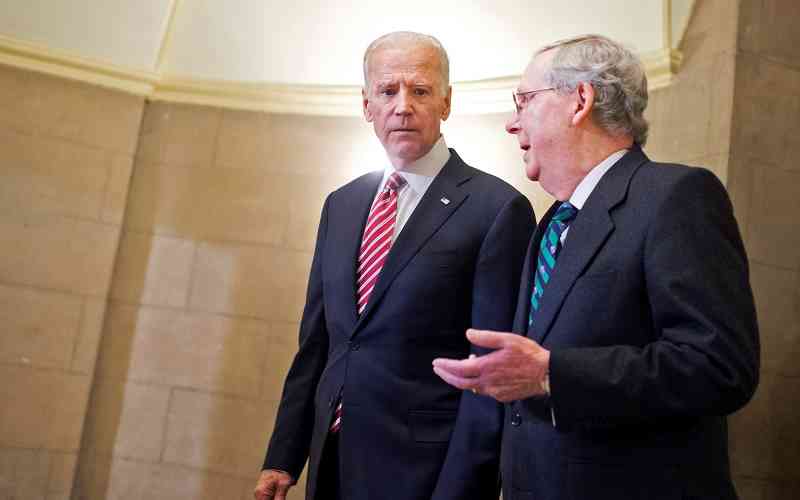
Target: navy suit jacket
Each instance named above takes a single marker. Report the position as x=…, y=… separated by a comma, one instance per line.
x=455, y=265
x=651, y=325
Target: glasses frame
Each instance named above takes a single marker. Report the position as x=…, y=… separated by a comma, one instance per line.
x=516, y=95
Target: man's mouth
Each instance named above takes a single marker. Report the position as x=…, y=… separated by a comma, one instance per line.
x=524, y=147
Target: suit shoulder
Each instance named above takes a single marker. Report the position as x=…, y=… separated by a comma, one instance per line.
x=661, y=180
x=488, y=183
x=666, y=190
x=362, y=182
x=674, y=173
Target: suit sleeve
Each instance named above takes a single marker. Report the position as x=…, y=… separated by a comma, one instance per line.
x=471, y=468
x=291, y=437
x=704, y=360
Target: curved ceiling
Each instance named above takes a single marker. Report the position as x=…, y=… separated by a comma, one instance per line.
x=256, y=47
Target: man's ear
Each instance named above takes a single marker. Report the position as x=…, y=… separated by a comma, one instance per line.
x=584, y=103
x=447, y=100
x=365, y=102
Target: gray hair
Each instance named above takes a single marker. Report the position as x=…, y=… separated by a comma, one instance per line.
x=615, y=73
x=409, y=39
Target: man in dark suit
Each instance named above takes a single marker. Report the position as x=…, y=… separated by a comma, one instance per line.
x=635, y=332
x=406, y=260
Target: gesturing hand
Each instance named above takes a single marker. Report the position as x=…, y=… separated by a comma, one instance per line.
x=513, y=371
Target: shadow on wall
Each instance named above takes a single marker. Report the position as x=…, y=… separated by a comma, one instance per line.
x=207, y=293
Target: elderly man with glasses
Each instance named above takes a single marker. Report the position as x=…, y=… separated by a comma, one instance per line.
x=635, y=332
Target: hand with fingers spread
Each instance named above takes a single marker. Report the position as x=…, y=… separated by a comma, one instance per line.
x=273, y=485
x=515, y=369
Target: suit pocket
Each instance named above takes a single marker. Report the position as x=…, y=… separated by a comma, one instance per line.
x=431, y=426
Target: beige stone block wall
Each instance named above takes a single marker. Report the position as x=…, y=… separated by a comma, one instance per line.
x=690, y=121
x=207, y=291
x=765, y=185
x=66, y=153
x=734, y=109
x=198, y=224
x=36, y=474
x=209, y=285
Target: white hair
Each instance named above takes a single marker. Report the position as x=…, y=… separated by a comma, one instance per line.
x=615, y=73
x=409, y=39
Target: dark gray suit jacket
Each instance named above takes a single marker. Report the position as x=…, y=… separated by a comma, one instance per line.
x=650, y=320
x=455, y=264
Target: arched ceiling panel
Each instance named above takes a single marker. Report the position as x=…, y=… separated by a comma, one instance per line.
x=304, y=56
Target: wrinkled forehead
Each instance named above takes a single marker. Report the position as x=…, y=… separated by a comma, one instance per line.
x=413, y=63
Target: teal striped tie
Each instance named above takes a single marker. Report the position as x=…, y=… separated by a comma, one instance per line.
x=549, y=249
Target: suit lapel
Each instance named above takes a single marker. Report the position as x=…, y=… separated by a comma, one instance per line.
x=427, y=218
x=348, y=235
x=586, y=236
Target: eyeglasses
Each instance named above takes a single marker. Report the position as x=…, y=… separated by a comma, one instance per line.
x=521, y=99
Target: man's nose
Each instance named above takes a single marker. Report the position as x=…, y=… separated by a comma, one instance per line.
x=512, y=125
x=404, y=102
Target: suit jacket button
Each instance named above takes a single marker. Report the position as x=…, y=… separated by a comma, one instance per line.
x=355, y=346
x=516, y=420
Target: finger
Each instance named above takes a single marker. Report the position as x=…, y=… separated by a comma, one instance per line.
x=280, y=494
x=465, y=368
x=455, y=380
x=262, y=491
x=490, y=339
x=268, y=491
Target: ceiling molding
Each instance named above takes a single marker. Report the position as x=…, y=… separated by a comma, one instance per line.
x=327, y=100
x=475, y=97
x=54, y=62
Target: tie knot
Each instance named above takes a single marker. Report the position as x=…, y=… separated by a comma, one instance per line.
x=395, y=182
x=565, y=213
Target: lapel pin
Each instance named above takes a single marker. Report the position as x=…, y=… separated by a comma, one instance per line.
x=445, y=201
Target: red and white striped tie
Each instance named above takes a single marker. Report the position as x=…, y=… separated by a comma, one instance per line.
x=377, y=239
x=375, y=246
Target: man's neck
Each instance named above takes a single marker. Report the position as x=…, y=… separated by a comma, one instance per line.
x=428, y=164
x=597, y=148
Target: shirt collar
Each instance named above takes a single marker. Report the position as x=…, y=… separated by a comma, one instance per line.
x=421, y=172
x=588, y=183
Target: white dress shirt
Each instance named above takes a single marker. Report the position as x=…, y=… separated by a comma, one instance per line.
x=588, y=183
x=418, y=175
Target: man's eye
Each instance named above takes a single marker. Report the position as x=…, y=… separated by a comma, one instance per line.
x=420, y=92
x=388, y=92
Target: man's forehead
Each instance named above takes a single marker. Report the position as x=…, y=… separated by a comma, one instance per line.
x=413, y=57
x=408, y=72
x=534, y=72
